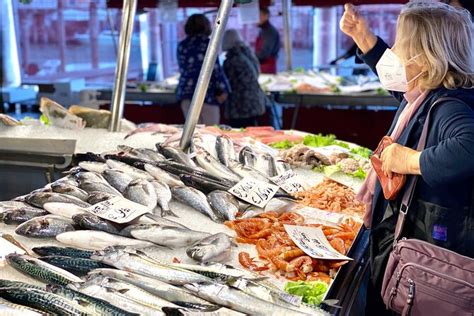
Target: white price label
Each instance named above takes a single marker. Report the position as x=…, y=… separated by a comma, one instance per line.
x=118, y=210
x=255, y=192
x=313, y=242
x=290, y=182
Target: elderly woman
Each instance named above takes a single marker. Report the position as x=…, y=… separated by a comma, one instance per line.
x=431, y=59
x=191, y=52
x=247, y=100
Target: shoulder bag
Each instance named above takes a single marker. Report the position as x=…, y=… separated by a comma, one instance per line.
x=422, y=278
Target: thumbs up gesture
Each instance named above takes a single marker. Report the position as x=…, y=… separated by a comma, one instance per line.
x=354, y=25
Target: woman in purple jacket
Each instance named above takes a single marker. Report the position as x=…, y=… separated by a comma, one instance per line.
x=431, y=59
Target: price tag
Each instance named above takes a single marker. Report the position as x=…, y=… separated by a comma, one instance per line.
x=290, y=182
x=313, y=242
x=7, y=248
x=118, y=210
x=255, y=192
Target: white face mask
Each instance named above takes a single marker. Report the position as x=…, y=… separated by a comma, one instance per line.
x=392, y=73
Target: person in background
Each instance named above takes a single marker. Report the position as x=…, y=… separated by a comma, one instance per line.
x=247, y=100
x=466, y=4
x=191, y=52
x=431, y=59
x=350, y=53
x=267, y=44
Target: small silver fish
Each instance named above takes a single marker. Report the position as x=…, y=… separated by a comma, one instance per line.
x=142, y=192
x=214, y=248
x=164, y=196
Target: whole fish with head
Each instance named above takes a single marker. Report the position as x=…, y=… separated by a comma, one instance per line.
x=131, y=291
x=45, y=226
x=225, y=149
x=163, y=194
x=93, y=166
x=215, y=248
x=69, y=180
x=20, y=215
x=171, y=293
x=218, y=271
x=116, y=298
x=143, y=265
x=235, y=299
x=91, y=304
x=131, y=171
x=142, y=192
x=94, y=222
x=97, y=240
x=97, y=197
x=167, y=236
x=42, y=300
x=62, y=251
x=41, y=198
x=118, y=179
x=266, y=164
x=175, y=154
x=100, y=187
x=224, y=204
x=248, y=157
x=88, y=176
x=195, y=199
x=69, y=190
x=214, y=167
x=40, y=270
x=141, y=153
x=8, y=308
x=163, y=176
x=67, y=210
x=246, y=171
x=77, y=266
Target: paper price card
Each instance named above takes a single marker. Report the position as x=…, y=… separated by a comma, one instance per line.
x=290, y=182
x=118, y=210
x=253, y=191
x=313, y=242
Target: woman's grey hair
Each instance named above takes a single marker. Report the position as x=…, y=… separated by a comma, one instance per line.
x=231, y=39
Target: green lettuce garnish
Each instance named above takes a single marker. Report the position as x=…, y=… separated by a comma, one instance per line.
x=284, y=144
x=330, y=170
x=362, y=151
x=360, y=174
x=312, y=292
x=44, y=119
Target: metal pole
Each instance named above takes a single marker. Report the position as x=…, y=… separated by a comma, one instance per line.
x=62, y=37
x=287, y=34
x=94, y=34
x=123, y=56
x=206, y=72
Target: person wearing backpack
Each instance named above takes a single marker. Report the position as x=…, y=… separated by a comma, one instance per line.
x=421, y=229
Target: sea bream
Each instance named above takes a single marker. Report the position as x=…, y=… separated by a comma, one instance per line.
x=118, y=179
x=215, y=248
x=41, y=198
x=142, y=192
x=45, y=226
x=195, y=199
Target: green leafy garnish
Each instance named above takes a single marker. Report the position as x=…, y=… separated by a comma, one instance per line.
x=319, y=140
x=284, y=144
x=330, y=170
x=299, y=69
x=360, y=174
x=312, y=292
x=44, y=119
x=362, y=151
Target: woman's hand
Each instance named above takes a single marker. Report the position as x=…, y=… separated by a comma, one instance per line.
x=400, y=159
x=354, y=25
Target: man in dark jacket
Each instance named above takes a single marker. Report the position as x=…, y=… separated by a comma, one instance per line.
x=267, y=44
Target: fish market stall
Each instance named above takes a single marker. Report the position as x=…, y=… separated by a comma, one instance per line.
x=147, y=229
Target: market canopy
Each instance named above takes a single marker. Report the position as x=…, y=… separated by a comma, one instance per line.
x=181, y=3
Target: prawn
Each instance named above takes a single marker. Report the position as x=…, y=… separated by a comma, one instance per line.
x=319, y=276
x=247, y=262
x=292, y=253
x=282, y=264
x=303, y=263
x=339, y=245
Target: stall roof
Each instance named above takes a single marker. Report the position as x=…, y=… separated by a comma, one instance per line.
x=181, y=3
x=327, y=3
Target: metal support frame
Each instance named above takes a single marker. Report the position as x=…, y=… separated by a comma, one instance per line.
x=287, y=34
x=206, y=72
x=123, y=56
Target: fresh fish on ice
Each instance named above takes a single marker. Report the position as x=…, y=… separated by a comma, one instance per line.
x=41, y=198
x=94, y=222
x=97, y=240
x=142, y=192
x=224, y=204
x=99, y=187
x=195, y=199
x=131, y=171
x=118, y=179
x=69, y=190
x=214, y=248
x=45, y=226
x=161, y=175
x=67, y=210
x=164, y=196
x=93, y=166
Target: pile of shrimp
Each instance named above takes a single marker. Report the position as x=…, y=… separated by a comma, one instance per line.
x=280, y=254
x=332, y=196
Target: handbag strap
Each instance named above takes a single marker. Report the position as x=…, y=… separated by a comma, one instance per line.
x=412, y=180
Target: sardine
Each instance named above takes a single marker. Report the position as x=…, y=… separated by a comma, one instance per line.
x=40, y=270
x=42, y=300
x=224, y=204
x=164, y=196
x=93, y=166
x=225, y=149
x=40, y=199
x=91, y=304
x=138, y=264
x=45, y=226
x=163, y=176
x=131, y=171
x=67, y=210
x=118, y=179
x=195, y=199
x=175, y=154
x=62, y=251
x=214, y=167
x=100, y=187
x=77, y=266
x=168, y=236
x=214, y=248
x=97, y=240
x=94, y=222
x=142, y=192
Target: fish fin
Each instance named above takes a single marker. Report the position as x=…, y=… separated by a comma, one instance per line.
x=168, y=212
x=123, y=291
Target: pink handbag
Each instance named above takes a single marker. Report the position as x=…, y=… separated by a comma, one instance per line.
x=422, y=278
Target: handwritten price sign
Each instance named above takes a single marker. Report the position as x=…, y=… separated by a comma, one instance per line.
x=118, y=210
x=290, y=182
x=254, y=191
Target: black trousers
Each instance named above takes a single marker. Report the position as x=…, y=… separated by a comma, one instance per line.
x=243, y=122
